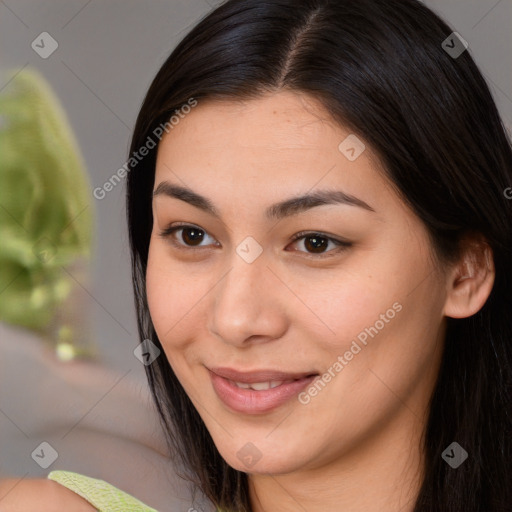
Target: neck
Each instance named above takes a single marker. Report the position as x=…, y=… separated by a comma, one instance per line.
x=383, y=473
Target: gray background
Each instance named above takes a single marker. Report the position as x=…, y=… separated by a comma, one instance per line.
x=108, y=53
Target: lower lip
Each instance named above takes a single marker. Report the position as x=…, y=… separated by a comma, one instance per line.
x=250, y=401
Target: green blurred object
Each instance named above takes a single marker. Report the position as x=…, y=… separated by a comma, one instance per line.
x=46, y=214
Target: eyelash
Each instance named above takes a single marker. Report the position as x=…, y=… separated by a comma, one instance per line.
x=341, y=245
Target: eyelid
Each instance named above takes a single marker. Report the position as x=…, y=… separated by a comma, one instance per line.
x=341, y=244
x=169, y=230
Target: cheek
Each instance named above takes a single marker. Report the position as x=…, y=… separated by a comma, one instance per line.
x=166, y=294
x=349, y=304
x=384, y=316
x=174, y=302
x=390, y=349
x=157, y=289
x=358, y=298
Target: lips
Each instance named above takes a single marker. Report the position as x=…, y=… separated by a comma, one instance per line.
x=258, y=391
x=259, y=375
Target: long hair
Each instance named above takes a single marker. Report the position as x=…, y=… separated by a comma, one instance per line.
x=379, y=67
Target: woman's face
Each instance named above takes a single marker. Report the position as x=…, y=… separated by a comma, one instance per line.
x=235, y=291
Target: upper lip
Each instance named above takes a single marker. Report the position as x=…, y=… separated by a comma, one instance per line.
x=258, y=375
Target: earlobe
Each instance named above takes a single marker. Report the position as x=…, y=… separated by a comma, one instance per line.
x=471, y=280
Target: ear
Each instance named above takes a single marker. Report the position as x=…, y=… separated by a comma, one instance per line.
x=470, y=281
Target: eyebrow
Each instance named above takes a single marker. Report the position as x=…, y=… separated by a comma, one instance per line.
x=277, y=211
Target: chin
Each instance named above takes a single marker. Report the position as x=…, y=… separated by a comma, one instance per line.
x=261, y=456
x=266, y=465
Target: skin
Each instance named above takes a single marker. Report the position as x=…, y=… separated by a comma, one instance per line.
x=356, y=445
x=20, y=495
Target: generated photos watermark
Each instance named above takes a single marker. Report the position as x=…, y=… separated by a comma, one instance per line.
x=454, y=455
x=45, y=455
x=249, y=454
x=146, y=352
x=454, y=45
x=44, y=45
x=343, y=360
x=137, y=156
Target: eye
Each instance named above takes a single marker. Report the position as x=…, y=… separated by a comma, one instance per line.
x=192, y=236
x=317, y=242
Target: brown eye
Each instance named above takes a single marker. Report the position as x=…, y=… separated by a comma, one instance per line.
x=191, y=236
x=317, y=243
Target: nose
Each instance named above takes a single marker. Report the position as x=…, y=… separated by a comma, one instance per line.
x=248, y=304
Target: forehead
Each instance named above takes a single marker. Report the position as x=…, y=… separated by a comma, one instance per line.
x=263, y=145
x=279, y=121
x=287, y=125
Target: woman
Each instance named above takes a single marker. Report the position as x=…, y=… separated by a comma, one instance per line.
x=406, y=285
x=332, y=304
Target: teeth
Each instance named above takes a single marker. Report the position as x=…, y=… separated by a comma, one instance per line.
x=242, y=385
x=260, y=386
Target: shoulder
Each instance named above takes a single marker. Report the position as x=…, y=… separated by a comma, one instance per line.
x=44, y=495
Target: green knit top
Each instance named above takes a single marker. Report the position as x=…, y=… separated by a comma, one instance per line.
x=102, y=495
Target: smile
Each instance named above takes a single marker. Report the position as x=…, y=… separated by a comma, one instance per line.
x=257, y=396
